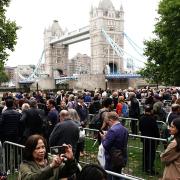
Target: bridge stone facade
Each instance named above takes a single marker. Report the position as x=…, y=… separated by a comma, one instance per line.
x=56, y=56
x=112, y=21
x=103, y=57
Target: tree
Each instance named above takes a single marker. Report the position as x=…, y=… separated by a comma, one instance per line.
x=3, y=77
x=8, y=37
x=163, y=52
x=151, y=73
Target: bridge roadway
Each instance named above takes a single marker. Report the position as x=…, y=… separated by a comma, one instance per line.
x=79, y=35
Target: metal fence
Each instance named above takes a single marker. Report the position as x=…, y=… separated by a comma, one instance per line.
x=12, y=155
x=136, y=153
x=122, y=176
x=126, y=122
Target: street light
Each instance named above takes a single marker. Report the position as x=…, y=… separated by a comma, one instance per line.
x=106, y=83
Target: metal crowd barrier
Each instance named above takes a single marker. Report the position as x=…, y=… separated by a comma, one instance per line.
x=127, y=122
x=123, y=176
x=12, y=156
x=136, y=154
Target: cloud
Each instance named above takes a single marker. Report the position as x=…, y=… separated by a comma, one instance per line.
x=35, y=15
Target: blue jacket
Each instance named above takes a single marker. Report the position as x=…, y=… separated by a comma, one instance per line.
x=116, y=137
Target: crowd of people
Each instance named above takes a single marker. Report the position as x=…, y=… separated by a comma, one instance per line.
x=42, y=120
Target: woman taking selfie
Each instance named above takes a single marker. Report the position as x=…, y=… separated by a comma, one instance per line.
x=37, y=166
x=171, y=156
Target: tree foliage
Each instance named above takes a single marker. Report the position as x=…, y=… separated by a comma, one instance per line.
x=163, y=52
x=8, y=37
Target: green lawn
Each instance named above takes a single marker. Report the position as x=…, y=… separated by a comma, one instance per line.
x=134, y=166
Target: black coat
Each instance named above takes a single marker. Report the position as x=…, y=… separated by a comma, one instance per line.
x=32, y=120
x=9, y=125
x=148, y=126
x=134, y=110
x=65, y=132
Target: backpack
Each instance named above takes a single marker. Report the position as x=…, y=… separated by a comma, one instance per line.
x=125, y=110
x=97, y=120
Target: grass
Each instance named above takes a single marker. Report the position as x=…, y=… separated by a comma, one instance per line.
x=13, y=176
x=134, y=166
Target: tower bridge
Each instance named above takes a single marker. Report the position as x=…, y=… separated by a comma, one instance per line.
x=106, y=34
x=79, y=35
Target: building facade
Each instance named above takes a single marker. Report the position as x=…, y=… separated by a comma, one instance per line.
x=80, y=64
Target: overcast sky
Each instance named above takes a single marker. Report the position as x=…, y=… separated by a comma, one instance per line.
x=33, y=16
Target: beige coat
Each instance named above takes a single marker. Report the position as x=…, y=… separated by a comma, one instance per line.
x=171, y=158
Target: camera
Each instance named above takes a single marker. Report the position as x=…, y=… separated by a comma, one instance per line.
x=57, y=150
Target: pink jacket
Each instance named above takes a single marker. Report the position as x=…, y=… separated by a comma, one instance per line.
x=171, y=158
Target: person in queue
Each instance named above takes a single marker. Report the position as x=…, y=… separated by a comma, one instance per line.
x=37, y=165
x=52, y=117
x=146, y=124
x=171, y=156
x=114, y=140
x=92, y=172
x=66, y=131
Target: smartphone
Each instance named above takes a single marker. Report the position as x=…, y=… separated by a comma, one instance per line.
x=58, y=150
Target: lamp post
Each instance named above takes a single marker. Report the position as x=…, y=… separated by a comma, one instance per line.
x=37, y=86
x=106, y=83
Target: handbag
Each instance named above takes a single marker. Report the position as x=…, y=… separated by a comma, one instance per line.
x=82, y=134
x=101, y=155
x=117, y=158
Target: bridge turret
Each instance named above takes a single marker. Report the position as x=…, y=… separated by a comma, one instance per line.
x=106, y=5
x=56, y=30
x=56, y=55
x=106, y=17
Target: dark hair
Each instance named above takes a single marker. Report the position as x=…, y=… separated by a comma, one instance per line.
x=107, y=102
x=91, y=172
x=175, y=107
x=30, y=146
x=51, y=101
x=148, y=108
x=176, y=123
x=9, y=102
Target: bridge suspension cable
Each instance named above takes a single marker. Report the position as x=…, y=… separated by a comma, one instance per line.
x=113, y=44
x=130, y=40
x=120, y=51
x=135, y=46
x=34, y=74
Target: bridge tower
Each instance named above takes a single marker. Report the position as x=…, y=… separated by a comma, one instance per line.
x=56, y=55
x=103, y=57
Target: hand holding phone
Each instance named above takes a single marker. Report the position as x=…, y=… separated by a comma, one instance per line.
x=58, y=150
